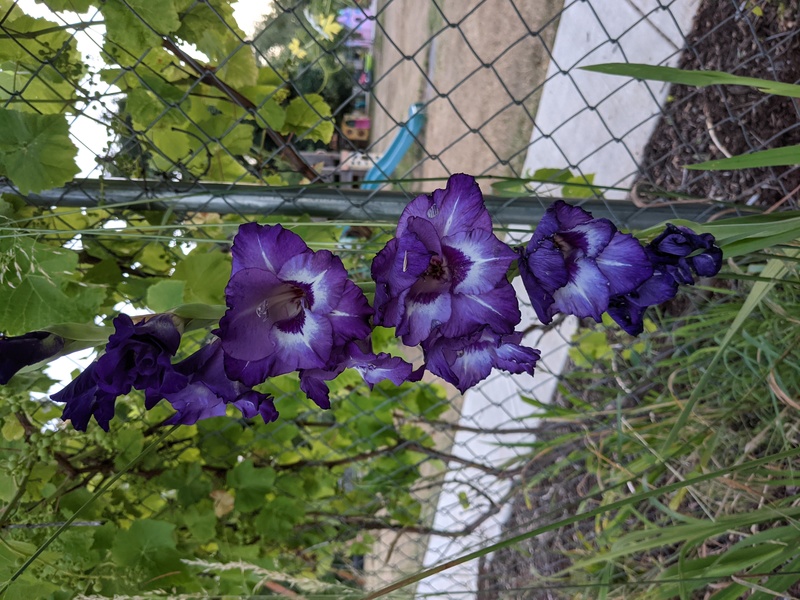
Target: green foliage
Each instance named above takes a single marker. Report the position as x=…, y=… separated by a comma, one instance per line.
x=39, y=287
x=568, y=184
x=35, y=150
x=695, y=78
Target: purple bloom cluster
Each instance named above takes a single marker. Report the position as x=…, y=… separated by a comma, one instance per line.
x=137, y=356
x=293, y=309
x=677, y=254
x=441, y=282
x=574, y=264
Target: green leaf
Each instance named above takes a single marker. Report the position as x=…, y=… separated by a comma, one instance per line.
x=35, y=150
x=206, y=274
x=695, y=78
x=251, y=484
x=309, y=118
x=141, y=540
x=774, y=157
x=165, y=294
x=134, y=29
x=78, y=6
x=38, y=291
x=271, y=115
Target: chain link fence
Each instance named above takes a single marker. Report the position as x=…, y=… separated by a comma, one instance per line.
x=330, y=116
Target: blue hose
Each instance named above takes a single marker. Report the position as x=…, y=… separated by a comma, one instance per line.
x=387, y=164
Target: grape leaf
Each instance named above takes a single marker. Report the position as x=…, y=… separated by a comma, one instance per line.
x=35, y=150
x=37, y=288
x=130, y=33
x=145, y=537
x=78, y=6
x=165, y=295
x=309, y=118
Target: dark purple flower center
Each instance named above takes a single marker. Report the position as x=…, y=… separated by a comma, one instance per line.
x=286, y=302
x=437, y=269
x=562, y=244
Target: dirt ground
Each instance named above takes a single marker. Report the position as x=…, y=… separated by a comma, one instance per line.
x=478, y=66
x=719, y=121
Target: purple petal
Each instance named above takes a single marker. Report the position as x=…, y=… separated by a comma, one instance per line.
x=498, y=308
x=424, y=312
x=478, y=261
x=321, y=275
x=514, y=358
x=458, y=208
x=350, y=318
x=586, y=293
x=25, y=350
x=305, y=347
x=708, y=263
x=590, y=238
x=245, y=328
x=265, y=247
x=313, y=383
x=624, y=263
x=252, y=403
x=194, y=403
x=569, y=216
x=543, y=272
x=84, y=400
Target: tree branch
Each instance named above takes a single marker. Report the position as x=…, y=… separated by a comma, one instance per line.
x=209, y=77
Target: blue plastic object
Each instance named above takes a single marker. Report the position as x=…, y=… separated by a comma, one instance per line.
x=387, y=164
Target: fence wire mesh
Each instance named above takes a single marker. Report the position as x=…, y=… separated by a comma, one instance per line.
x=328, y=116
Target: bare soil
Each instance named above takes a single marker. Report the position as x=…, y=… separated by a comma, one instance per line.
x=719, y=121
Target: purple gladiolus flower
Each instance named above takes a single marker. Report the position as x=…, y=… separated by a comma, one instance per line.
x=574, y=263
x=676, y=254
x=85, y=400
x=25, y=350
x=444, y=273
x=137, y=356
x=209, y=390
x=358, y=355
x=288, y=307
x=467, y=360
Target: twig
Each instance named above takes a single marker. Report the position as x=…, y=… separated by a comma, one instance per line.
x=209, y=77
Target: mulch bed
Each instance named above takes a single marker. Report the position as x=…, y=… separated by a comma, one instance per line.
x=727, y=36
x=708, y=123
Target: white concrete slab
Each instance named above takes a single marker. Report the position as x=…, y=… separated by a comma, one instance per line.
x=599, y=124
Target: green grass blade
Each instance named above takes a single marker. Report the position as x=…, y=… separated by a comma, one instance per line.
x=774, y=157
x=775, y=270
x=695, y=78
x=589, y=514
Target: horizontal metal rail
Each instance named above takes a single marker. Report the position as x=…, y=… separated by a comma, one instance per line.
x=330, y=202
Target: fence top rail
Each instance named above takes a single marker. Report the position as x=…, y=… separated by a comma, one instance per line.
x=331, y=202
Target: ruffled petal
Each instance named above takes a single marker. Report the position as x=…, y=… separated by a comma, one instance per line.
x=265, y=247
x=423, y=313
x=457, y=208
x=321, y=275
x=498, y=308
x=589, y=238
x=350, y=318
x=586, y=293
x=569, y=216
x=624, y=263
x=245, y=328
x=194, y=403
x=477, y=260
